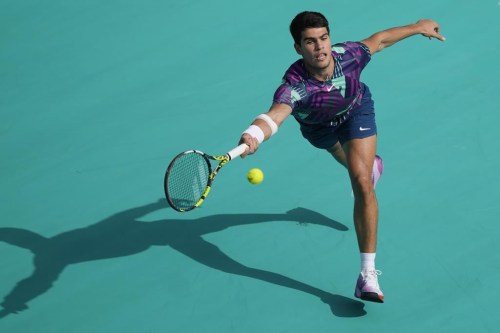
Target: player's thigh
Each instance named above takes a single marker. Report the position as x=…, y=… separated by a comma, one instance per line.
x=360, y=154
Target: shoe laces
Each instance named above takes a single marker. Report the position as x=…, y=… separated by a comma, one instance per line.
x=371, y=274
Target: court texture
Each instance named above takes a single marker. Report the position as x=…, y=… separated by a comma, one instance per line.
x=96, y=98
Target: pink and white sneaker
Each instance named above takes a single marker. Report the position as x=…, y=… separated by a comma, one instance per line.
x=367, y=287
x=378, y=168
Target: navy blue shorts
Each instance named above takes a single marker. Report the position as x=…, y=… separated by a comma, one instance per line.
x=359, y=124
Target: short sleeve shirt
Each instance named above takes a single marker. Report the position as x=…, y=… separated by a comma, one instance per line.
x=315, y=102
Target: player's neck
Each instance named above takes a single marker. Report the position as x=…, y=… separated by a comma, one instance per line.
x=322, y=74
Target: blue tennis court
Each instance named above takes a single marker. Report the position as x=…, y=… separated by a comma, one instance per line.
x=97, y=97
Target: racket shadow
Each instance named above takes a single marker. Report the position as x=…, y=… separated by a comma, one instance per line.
x=123, y=234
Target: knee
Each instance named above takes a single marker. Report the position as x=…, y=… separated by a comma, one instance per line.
x=362, y=187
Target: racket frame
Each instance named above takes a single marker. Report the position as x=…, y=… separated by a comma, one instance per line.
x=223, y=159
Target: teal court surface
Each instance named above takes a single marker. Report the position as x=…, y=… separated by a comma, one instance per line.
x=96, y=97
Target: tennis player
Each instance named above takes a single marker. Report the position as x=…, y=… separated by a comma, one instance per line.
x=335, y=110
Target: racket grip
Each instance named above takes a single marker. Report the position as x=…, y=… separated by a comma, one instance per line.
x=235, y=152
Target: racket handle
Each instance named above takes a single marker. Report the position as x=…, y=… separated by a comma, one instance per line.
x=238, y=150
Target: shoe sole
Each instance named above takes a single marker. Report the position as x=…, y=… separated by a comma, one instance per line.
x=369, y=296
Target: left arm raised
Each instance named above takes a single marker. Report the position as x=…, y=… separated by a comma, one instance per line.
x=380, y=40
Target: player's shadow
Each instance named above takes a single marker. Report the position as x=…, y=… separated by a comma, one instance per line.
x=123, y=234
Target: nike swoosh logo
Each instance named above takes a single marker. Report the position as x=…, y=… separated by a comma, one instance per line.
x=364, y=129
x=330, y=88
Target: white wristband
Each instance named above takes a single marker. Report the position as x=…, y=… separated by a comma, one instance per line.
x=255, y=132
x=270, y=123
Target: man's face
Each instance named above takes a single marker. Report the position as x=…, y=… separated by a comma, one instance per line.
x=315, y=48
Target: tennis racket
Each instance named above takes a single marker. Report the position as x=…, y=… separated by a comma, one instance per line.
x=189, y=177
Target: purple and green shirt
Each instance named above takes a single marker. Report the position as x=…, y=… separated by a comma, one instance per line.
x=313, y=101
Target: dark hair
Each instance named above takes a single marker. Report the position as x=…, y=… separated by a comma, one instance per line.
x=306, y=20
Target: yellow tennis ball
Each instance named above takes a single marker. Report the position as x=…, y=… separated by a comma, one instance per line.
x=255, y=176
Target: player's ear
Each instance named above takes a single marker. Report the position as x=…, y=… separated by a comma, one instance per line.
x=297, y=48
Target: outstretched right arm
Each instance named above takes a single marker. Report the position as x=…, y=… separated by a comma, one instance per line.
x=264, y=126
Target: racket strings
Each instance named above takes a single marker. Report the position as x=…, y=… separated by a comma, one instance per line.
x=187, y=180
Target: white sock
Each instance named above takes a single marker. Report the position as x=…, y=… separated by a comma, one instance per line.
x=367, y=261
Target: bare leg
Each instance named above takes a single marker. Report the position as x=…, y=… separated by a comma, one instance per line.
x=360, y=154
x=338, y=153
